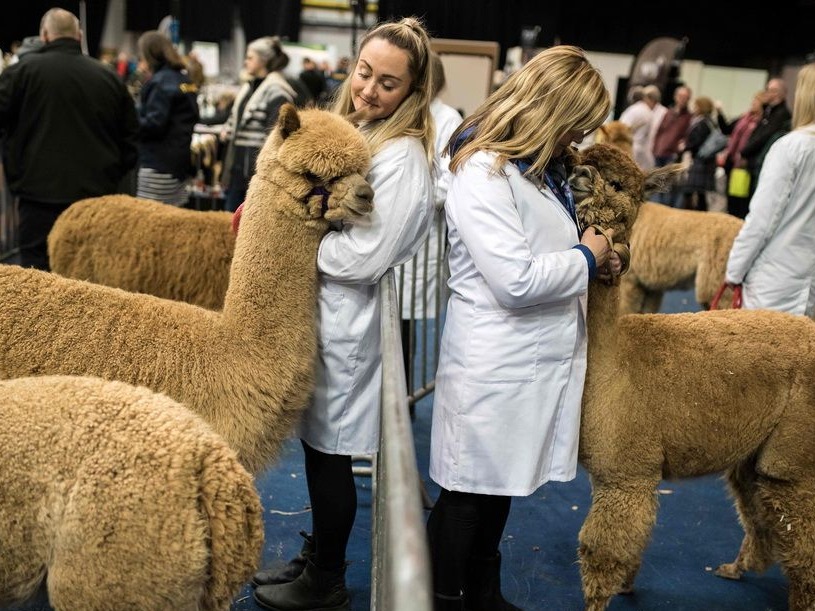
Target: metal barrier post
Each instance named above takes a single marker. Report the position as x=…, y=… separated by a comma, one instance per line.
x=400, y=570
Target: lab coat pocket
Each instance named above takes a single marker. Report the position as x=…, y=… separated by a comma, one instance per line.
x=503, y=347
x=330, y=307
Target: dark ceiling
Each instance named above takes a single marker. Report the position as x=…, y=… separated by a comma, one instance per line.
x=719, y=33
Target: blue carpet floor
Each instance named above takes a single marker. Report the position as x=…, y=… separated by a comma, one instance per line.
x=696, y=530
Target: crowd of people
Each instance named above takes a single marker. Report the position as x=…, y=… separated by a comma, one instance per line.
x=519, y=261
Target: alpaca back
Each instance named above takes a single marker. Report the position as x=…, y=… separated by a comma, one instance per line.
x=120, y=494
x=677, y=249
x=147, y=247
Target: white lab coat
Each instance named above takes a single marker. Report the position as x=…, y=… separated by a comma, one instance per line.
x=773, y=255
x=430, y=255
x=343, y=417
x=506, y=415
x=639, y=117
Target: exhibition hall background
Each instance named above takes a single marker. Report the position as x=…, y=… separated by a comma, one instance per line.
x=719, y=33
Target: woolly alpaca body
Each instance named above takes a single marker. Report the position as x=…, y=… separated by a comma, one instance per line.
x=676, y=249
x=248, y=371
x=146, y=247
x=681, y=395
x=118, y=497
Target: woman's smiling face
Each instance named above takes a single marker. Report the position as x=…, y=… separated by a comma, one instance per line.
x=381, y=80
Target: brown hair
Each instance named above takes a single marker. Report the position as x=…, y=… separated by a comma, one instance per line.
x=157, y=50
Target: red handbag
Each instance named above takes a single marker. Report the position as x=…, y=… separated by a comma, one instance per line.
x=714, y=305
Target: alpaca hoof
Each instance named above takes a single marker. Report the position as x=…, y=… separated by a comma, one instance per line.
x=596, y=604
x=729, y=570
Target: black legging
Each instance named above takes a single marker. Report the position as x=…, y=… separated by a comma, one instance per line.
x=462, y=525
x=333, y=495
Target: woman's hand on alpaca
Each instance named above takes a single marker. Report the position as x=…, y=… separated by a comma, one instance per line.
x=598, y=245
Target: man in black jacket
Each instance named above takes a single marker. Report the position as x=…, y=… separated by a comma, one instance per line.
x=68, y=127
x=774, y=124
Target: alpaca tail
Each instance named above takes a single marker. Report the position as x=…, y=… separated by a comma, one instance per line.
x=230, y=501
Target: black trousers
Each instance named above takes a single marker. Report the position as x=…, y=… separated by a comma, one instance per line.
x=36, y=221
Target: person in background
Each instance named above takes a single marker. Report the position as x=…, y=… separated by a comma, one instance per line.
x=669, y=134
x=168, y=113
x=639, y=116
x=731, y=157
x=314, y=79
x=388, y=93
x=701, y=178
x=506, y=414
x=254, y=113
x=773, y=256
x=429, y=260
x=69, y=129
x=774, y=123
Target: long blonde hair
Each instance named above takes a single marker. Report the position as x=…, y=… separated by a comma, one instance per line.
x=412, y=117
x=556, y=92
x=803, y=111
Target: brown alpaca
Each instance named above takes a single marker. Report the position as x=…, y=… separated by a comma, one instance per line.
x=683, y=395
x=616, y=133
x=248, y=370
x=116, y=497
x=676, y=249
x=144, y=246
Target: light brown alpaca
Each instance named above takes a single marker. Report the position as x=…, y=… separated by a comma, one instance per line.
x=616, y=133
x=248, y=371
x=116, y=497
x=682, y=395
x=144, y=246
x=676, y=249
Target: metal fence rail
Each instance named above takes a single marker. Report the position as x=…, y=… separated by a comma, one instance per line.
x=400, y=570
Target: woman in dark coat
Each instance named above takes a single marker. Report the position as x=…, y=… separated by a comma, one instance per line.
x=702, y=173
x=168, y=112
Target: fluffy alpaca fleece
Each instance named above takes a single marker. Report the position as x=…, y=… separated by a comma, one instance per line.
x=682, y=395
x=144, y=246
x=119, y=498
x=676, y=249
x=248, y=370
x=616, y=133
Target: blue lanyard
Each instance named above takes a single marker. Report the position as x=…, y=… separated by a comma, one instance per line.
x=564, y=194
x=560, y=188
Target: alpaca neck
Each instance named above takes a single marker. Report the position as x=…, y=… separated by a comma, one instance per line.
x=273, y=278
x=602, y=341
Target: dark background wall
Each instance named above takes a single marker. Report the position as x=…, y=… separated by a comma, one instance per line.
x=719, y=33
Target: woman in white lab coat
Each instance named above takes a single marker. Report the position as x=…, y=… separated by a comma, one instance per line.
x=774, y=254
x=506, y=415
x=388, y=92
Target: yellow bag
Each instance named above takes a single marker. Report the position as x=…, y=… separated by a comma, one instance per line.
x=739, y=183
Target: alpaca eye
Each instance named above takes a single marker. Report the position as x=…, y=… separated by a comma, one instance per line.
x=615, y=184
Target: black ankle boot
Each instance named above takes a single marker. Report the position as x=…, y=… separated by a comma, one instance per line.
x=315, y=589
x=448, y=603
x=284, y=572
x=482, y=590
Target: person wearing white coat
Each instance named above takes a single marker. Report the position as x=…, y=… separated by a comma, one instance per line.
x=388, y=92
x=506, y=412
x=420, y=287
x=773, y=256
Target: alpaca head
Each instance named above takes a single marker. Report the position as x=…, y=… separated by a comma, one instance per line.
x=617, y=134
x=609, y=187
x=320, y=159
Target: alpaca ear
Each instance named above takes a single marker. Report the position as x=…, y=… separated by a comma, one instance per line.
x=660, y=180
x=288, y=121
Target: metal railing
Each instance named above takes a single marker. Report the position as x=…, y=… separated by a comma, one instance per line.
x=400, y=569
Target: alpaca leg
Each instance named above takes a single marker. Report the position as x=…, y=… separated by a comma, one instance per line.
x=792, y=505
x=632, y=295
x=613, y=538
x=756, y=547
x=652, y=302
